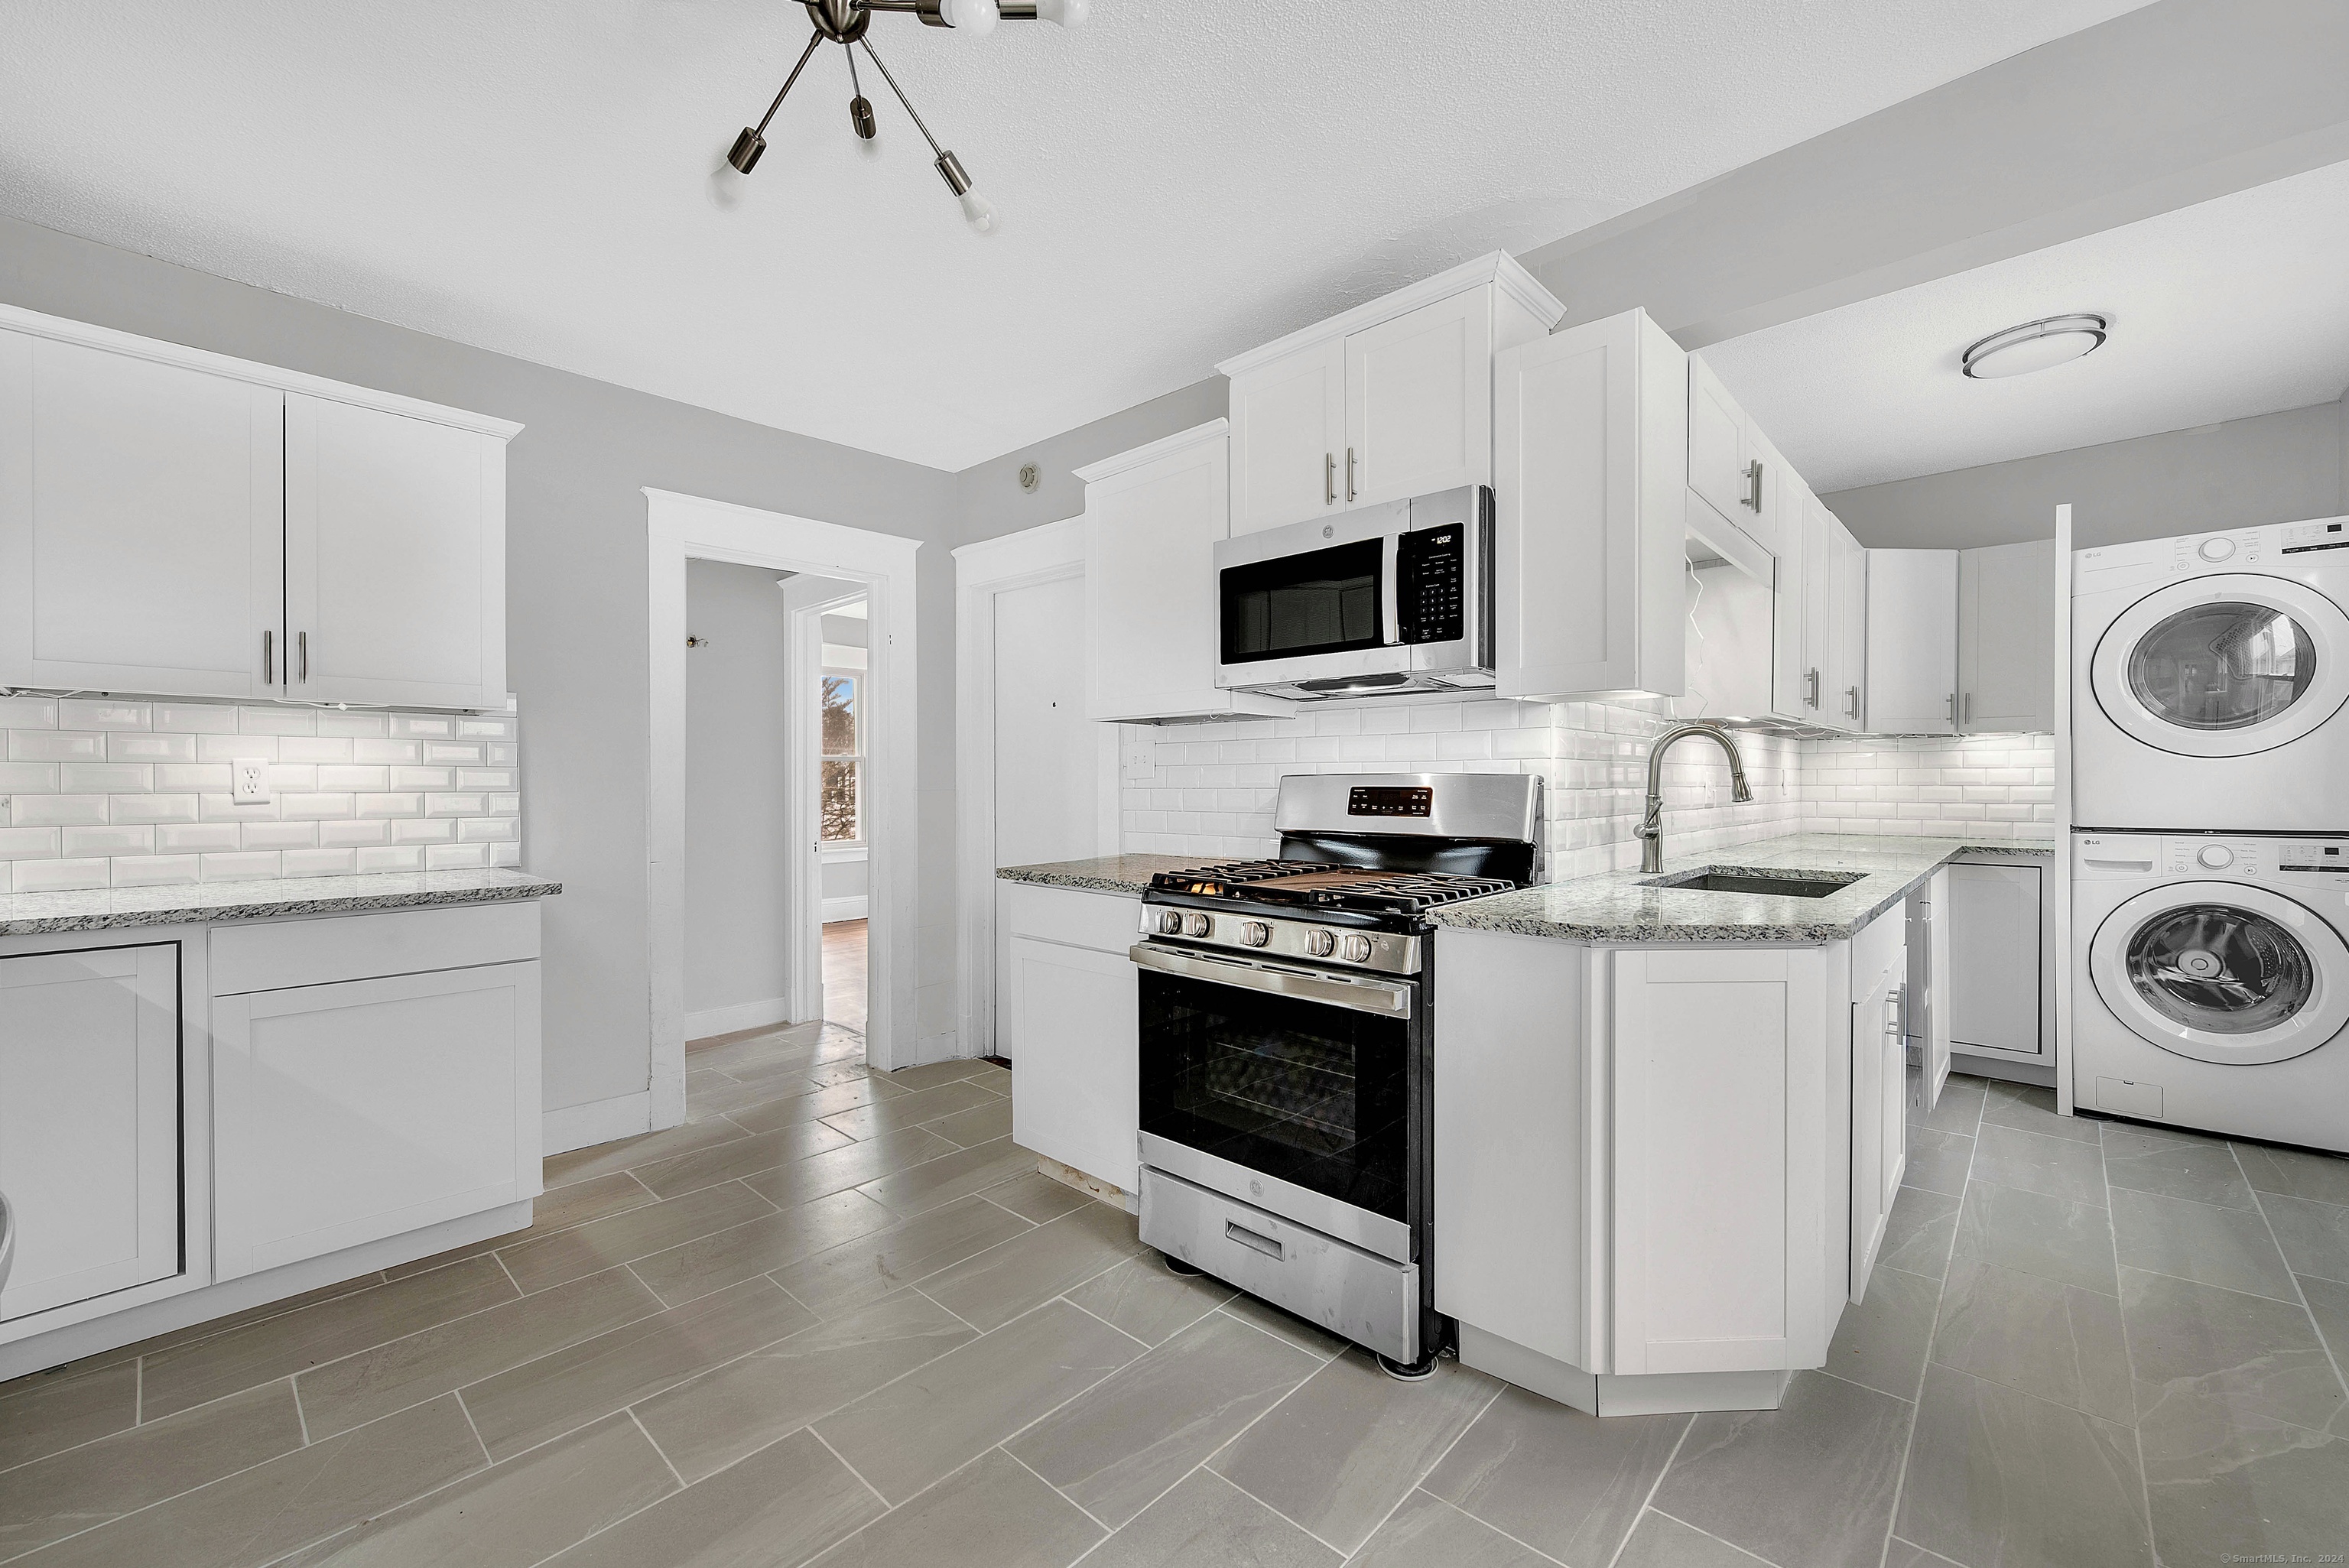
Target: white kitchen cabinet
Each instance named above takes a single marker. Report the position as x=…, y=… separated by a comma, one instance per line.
x=1912, y=642
x=1720, y=1100
x=1389, y=400
x=1794, y=695
x=363, y=1109
x=1999, y=967
x=1927, y=1008
x=2006, y=638
x=1880, y=1111
x=395, y=558
x=1591, y=512
x=1153, y=519
x=1288, y=434
x=1733, y=468
x=1067, y=1015
x=90, y=1121
x=140, y=524
x=1848, y=633
x=178, y=522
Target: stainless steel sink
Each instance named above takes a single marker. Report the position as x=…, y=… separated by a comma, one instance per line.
x=1776, y=884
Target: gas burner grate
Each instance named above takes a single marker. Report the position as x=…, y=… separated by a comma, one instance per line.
x=1328, y=886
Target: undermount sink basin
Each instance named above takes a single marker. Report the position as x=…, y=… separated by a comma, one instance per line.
x=1777, y=884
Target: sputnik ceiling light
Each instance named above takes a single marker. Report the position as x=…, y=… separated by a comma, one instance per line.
x=845, y=23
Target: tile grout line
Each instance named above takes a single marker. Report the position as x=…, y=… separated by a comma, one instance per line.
x=1708, y=1535
x=2299, y=1291
x=887, y=1508
x=1466, y=1514
x=2128, y=1354
x=1433, y=1465
x=1648, y=1501
x=1000, y=1449
x=1097, y=1317
x=300, y=1420
x=670, y=1465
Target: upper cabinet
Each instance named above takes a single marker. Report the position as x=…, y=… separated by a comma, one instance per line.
x=1389, y=400
x=1153, y=519
x=1732, y=469
x=1912, y=640
x=2006, y=637
x=176, y=522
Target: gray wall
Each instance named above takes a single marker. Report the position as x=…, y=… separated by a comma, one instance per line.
x=576, y=591
x=2276, y=468
x=990, y=502
x=736, y=868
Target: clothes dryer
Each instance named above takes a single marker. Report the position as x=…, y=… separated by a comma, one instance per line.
x=2210, y=676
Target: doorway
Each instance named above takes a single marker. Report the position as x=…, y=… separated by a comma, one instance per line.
x=844, y=687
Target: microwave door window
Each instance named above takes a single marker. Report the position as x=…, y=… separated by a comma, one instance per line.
x=1321, y=601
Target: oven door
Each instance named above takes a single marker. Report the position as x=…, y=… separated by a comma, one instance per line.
x=1290, y=1088
x=1310, y=601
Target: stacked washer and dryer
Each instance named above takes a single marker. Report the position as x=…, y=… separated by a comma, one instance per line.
x=2210, y=853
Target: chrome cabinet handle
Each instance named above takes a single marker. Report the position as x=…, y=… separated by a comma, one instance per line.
x=301, y=642
x=1811, y=688
x=1952, y=701
x=7, y=1238
x=1969, y=710
x=1255, y=1239
x=1753, y=484
x=1350, y=473
x=1894, y=1011
x=1851, y=702
x=1330, y=479
x=268, y=658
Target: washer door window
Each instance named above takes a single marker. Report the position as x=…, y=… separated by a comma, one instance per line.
x=2224, y=666
x=2222, y=973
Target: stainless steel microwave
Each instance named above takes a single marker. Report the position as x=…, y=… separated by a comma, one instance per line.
x=1377, y=600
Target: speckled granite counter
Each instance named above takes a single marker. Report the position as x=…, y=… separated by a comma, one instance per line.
x=1109, y=873
x=1617, y=906
x=205, y=903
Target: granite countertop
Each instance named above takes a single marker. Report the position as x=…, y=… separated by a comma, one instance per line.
x=1615, y=906
x=203, y=904
x=1108, y=873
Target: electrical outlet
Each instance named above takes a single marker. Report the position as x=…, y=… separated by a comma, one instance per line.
x=249, y=781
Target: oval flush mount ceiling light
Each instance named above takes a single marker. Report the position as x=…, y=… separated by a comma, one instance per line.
x=2036, y=345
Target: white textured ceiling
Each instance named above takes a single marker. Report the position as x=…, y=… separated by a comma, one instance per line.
x=2234, y=307
x=1181, y=179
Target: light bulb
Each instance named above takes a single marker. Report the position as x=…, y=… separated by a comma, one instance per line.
x=978, y=212
x=1067, y=13
x=977, y=17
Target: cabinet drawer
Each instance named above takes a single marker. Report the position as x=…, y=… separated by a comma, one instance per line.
x=320, y=951
x=1106, y=923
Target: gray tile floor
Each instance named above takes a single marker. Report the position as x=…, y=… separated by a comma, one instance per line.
x=838, y=1318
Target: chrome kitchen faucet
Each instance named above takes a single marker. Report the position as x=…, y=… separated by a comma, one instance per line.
x=1651, y=826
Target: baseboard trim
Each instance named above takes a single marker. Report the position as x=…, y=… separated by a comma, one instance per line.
x=740, y=1015
x=597, y=1121
x=844, y=908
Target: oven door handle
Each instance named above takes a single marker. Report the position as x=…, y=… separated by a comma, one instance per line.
x=1386, y=999
x=1389, y=594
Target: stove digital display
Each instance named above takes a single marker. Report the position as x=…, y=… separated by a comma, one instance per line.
x=1390, y=801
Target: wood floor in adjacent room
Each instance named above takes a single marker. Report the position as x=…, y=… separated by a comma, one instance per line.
x=839, y=1316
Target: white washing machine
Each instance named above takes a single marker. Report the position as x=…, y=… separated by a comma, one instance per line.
x=2208, y=678
x=2211, y=983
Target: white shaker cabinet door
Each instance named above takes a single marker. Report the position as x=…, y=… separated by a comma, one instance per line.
x=1995, y=948
x=140, y=524
x=1912, y=642
x=1069, y=1019
x=1288, y=438
x=395, y=558
x=365, y=1109
x=1419, y=402
x=1847, y=636
x=2006, y=638
x=1151, y=533
x=1879, y=1109
x=90, y=1121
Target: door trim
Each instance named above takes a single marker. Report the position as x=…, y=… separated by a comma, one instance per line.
x=1051, y=553
x=681, y=527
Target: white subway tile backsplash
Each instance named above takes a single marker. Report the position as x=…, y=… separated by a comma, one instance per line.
x=410, y=831
x=204, y=778
x=352, y=835
x=85, y=713
x=59, y=876
x=455, y=857
x=196, y=717
x=315, y=806
x=222, y=807
x=311, y=748
x=402, y=805
x=423, y=726
x=455, y=805
x=84, y=842
x=243, y=865
x=419, y=779
x=279, y=835
x=56, y=811
x=236, y=747
x=352, y=777
x=28, y=778
x=408, y=858
x=386, y=753
x=276, y=721
x=193, y=837
x=453, y=753
x=370, y=726
x=155, y=871
x=140, y=747
x=106, y=778
x=55, y=746
x=28, y=843
x=319, y=862
x=29, y=713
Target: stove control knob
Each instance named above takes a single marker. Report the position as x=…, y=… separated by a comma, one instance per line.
x=1255, y=933
x=1170, y=923
x=1358, y=950
x=2217, y=857
x=1198, y=925
x=1320, y=943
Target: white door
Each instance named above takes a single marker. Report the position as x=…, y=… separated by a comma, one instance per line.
x=1150, y=584
x=1912, y=642
x=365, y=1109
x=90, y=1121
x=2223, y=666
x=2223, y=972
x=140, y=524
x=1994, y=958
x=395, y=558
x=2006, y=638
x=1288, y=438
x=1047, y=772
x=1818, y=611
x=1847, y=637
x=1419, y=402
x=1071, y=1019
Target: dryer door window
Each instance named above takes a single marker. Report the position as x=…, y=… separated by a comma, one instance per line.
x=2223, y=972
x=2223, y=666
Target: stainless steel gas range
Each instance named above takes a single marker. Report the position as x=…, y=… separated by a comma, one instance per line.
x=1287, y=1014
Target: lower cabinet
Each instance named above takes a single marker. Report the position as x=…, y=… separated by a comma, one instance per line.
x=364, y=1108
x=1066, y=1014
x=90, y=1121
x=1879, y=1073
x=1999, y=970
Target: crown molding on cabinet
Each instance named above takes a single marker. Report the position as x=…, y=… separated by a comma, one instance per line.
x=15, y=318
x=1498, y=267
x=1109, y=466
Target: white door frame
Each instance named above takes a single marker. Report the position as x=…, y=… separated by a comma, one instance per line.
x=806, y=599
x=680, y=528
x=1051, y=553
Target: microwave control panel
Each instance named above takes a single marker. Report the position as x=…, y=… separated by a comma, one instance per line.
x=1431, y=585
